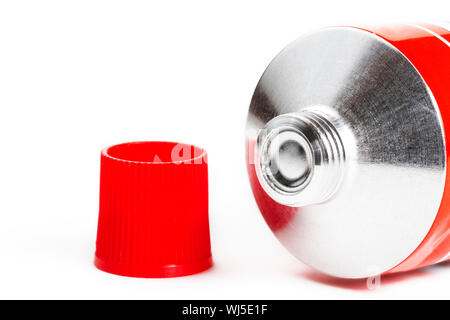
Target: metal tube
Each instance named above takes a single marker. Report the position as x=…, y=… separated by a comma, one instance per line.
x=347, y=148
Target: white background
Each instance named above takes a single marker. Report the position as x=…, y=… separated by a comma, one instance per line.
x=77, y=76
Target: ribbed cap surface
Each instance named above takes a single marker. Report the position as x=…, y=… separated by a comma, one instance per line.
x=153, y=217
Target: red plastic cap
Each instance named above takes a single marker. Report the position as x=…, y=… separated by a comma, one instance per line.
x=153, y=217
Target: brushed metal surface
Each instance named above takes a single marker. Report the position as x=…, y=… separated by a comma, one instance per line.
x=394, y=169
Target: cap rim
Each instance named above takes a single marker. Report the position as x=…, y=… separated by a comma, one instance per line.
x=152, y=271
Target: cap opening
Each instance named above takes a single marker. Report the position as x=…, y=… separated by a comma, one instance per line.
x=155, y=152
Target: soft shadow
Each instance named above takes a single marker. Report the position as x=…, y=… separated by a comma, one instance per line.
x=366, y=284
x=445, y=264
